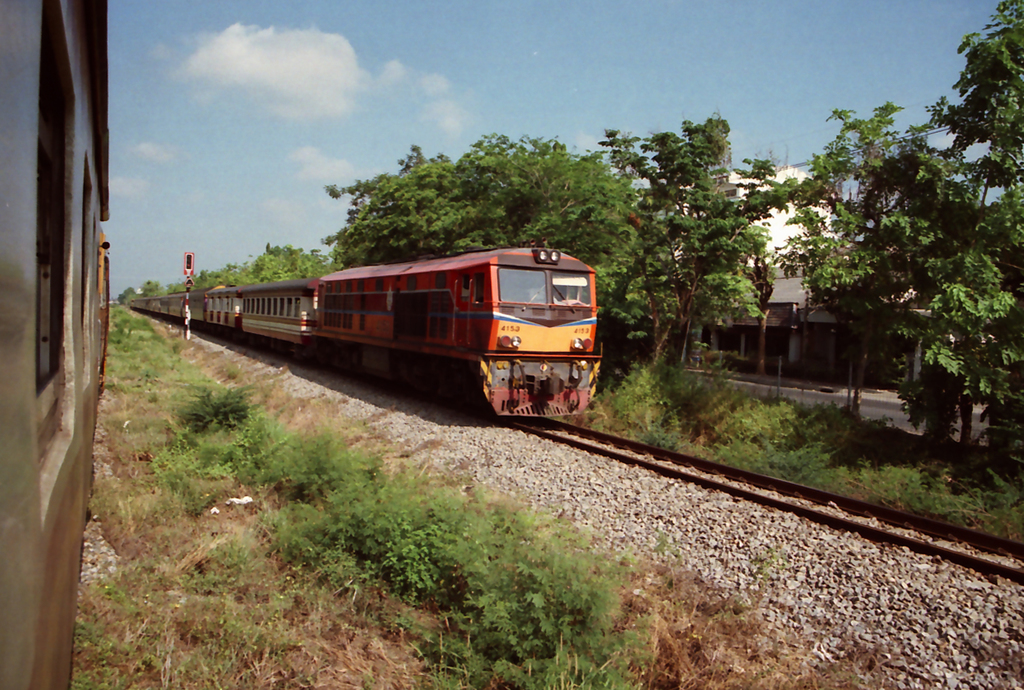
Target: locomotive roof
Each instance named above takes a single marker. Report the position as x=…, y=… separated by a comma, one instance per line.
x=502, y=257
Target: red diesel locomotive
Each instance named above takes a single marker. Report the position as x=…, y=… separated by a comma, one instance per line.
x=516, y=324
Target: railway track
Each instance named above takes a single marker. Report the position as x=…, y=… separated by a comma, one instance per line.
x=992, y=555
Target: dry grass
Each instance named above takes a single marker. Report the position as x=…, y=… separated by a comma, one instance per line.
x=697, y=637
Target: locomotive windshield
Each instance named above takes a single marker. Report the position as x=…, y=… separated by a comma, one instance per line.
x=531, y=287
x=522, y=285
x=571, y=288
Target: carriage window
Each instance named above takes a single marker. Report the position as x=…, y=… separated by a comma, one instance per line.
x=359, y=288
x=412, y=282
x=440, y=280
x=478, y=288
x=50, y=217
x=379, y=285
x=465, y=288
x=571, y=288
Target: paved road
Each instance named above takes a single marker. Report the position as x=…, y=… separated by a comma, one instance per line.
x=874, y=404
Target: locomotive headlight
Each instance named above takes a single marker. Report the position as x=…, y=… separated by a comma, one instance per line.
x=577, y=343
x=512, y=341
x=546, y=256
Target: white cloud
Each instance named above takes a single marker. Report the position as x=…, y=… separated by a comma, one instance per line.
x=308, y=74
x=128, y=187
x=588, y=142
x=283, y=212
x=298, y=74
x=393, y=72
x=318, y=167
x=157, y=153
x=434, y=85
x=448, y=115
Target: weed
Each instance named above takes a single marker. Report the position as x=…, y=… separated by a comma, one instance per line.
x=768, y=564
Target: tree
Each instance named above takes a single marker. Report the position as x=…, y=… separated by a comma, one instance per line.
x=500, y=193
x=399, y=216
x=151, y=288
x=974, y=339
x=691, y=240
x=878, y=186
x=126, y=296
x=287, y=263
x=761, y=270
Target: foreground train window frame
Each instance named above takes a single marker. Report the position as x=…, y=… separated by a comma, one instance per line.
x=51, y=250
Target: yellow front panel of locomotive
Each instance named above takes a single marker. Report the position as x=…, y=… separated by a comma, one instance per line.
x=537, y=338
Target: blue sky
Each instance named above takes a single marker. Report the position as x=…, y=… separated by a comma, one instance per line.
x=228, y=117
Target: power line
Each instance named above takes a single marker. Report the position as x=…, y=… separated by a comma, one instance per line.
x=927, y=133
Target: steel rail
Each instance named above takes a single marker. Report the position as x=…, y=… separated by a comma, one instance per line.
x=554, y=430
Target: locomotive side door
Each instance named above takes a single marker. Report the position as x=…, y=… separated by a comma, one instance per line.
x=470, y=302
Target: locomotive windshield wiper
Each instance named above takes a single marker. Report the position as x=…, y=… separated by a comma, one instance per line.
x=565, y=300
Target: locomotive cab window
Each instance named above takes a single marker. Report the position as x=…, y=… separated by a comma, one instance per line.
x=522, y=285
x=572, y=289
x=478, y=291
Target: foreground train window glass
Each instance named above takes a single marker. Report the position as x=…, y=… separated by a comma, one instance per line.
x=570, y=288
x=49, y=218
x=522, y=285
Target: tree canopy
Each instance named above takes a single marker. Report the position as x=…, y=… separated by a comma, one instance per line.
x=502, y=192
x=687, y=256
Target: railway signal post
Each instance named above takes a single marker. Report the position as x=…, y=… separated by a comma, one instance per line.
x=190, y=261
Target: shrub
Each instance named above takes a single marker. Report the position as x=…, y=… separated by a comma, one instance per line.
x=810, y=465
x=208, y=408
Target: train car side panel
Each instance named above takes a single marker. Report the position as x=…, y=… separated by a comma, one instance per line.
x=54, y=184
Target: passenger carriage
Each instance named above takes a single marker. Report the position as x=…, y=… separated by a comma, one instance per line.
x=282, y=314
